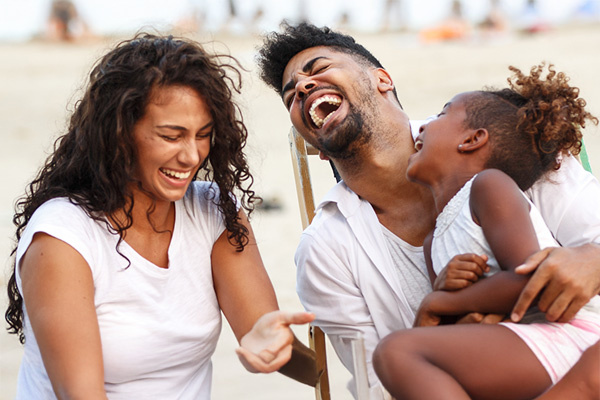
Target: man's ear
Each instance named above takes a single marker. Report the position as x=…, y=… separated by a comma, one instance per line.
x=474, y=140
x=323, y=156
x=384, y=80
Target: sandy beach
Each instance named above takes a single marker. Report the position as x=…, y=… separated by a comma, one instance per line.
x=40, y=81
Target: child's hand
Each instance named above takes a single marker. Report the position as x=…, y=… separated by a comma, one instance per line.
x=461, y=272
x=427, y=314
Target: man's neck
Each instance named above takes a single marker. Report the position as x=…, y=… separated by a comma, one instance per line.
x=378, y=175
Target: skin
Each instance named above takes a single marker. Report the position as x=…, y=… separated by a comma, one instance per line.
x=174, y=134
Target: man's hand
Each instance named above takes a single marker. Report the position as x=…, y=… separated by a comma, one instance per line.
x=462, y=271
x=566, y=277
x=268, y=345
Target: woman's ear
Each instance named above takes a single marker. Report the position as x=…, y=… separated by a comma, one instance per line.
x=474, y=140
x=384, y=80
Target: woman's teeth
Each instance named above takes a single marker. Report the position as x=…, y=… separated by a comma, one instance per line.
x=174, y=174
x=313, y=109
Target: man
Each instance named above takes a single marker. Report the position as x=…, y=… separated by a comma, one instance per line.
x=360, y=264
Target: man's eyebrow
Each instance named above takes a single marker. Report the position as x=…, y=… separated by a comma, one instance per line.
x=307, y=67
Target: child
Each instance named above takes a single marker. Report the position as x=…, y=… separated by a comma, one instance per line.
x=467, y=156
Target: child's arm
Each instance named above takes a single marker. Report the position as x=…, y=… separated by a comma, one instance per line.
x=502, y=211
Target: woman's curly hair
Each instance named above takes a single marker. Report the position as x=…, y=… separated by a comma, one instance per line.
x=534, y=115
x=93, y=164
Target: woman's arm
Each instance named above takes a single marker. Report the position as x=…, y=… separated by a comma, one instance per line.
x=247, y=298
x=501, y=210
x=58, y=290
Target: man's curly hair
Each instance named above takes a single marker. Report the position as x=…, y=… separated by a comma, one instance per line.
x=279, y=48
x=93, y=164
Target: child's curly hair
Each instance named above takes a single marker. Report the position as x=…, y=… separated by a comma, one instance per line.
x=535, y=116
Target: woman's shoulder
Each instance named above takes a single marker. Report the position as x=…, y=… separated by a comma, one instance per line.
x=201, y=194
x=59, y=209
x=64, y=220
x=199, y=208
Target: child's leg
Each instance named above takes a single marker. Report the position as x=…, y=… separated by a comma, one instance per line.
x=582, y=382
x=459, y=362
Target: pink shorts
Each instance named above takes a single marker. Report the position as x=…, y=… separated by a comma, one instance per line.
x=558, y=346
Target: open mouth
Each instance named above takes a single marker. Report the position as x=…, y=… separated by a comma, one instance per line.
x=174, y=174
x=418, y=144
x=323, y=108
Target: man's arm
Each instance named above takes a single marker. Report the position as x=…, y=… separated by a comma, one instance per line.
x=565, y=278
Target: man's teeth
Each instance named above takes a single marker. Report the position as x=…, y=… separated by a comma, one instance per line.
x=313, y=109
x=175, y=174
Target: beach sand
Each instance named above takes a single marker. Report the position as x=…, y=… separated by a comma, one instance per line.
x=40, y=81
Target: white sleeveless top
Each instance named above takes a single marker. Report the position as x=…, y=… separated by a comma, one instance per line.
x=456, y=232
x=159, y=327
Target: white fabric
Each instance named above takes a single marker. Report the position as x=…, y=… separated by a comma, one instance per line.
x=414, y=277
x=569, y=201
x=159, y=327
x=345, y=273
x=347, y=278
x=456, y=232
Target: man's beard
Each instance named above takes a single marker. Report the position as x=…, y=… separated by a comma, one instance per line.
x=356, y=130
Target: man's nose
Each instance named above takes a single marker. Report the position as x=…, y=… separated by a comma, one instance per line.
x=304, y=86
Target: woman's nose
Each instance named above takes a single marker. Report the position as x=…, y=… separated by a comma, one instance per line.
x=190, y=154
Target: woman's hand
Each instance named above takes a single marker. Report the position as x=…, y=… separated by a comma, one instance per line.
x=268, y=345
x=462, y=271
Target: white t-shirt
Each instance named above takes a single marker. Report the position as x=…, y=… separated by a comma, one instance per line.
x=159, y=327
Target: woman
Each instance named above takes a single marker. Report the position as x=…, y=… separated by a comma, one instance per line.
x=125, y=261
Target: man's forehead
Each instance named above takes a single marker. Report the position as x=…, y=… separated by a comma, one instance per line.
x=319, y=51
x=301, y=60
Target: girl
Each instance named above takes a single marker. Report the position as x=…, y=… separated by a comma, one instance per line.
x=132, y=242
x=477, y=157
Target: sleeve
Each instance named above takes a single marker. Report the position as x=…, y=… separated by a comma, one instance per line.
x=569, y=201
x=64, y=221
x=326, y=287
